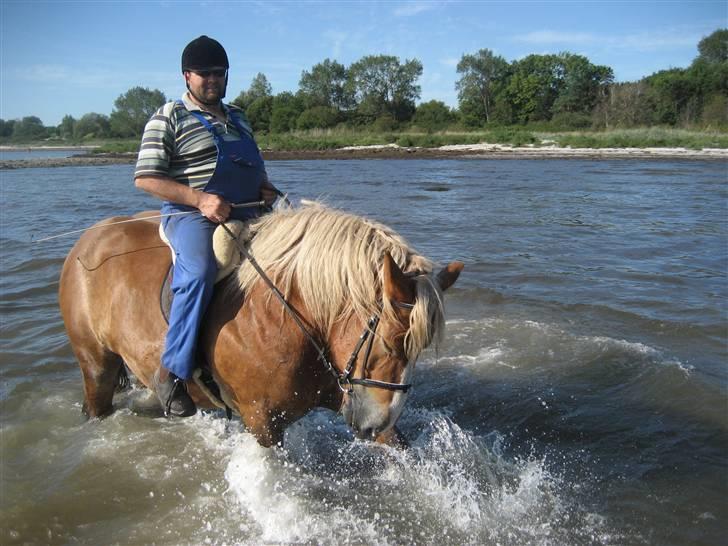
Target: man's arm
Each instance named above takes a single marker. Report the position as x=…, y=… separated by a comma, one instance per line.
x=210, y=205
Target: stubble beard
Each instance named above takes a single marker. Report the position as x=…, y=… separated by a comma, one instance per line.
x=211, y=95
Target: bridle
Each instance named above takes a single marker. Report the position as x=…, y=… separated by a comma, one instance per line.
x=346, y=382
x=343, y=379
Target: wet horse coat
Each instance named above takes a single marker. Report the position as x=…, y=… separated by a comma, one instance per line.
x=337, y=270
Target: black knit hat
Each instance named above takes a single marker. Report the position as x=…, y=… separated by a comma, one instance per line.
x=202, y=53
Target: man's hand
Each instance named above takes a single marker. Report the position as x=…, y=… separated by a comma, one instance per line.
x=213, y=207
x=268, y=193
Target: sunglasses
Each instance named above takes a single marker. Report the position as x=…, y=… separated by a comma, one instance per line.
x=217, y=72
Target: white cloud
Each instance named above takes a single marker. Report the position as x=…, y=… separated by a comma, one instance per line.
x=409, y=9
x=556, y=37
x=337, y=39
x=651, y=41
x=106, y=80
x=42, y=73
x=450, y=61
x=643, y=41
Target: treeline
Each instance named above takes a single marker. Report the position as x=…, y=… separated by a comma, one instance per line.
x=127, y=120
x=379, y=93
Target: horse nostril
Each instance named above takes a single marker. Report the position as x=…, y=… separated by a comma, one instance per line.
x=369, y=433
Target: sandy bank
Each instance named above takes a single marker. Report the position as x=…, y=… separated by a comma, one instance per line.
x=16, y=148
x=392, y=151
x=75, y=161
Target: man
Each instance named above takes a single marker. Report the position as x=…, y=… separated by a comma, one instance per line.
x=198, y=155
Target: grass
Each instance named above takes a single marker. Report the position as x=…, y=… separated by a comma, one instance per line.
x=338, y=138
x=329, y=139
x=653, y=137
x=118, y=146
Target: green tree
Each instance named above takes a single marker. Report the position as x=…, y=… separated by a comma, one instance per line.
x=433, y=116
x=534, y=87
x=671, y=91
x=317, y=117
x=287, y=107
x=6, y=128
x=384, y=86
x=29, y=128
x=714, y=48
x=580, y=84
x=715, y=111
x=259, y=114
x=259, y=89
x=65, y=128
x=133, y=109
x=326, y=86
x=91, y=125
x=483, y=75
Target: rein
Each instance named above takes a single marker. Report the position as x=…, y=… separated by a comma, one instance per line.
x=343, y=379
x=144, y=218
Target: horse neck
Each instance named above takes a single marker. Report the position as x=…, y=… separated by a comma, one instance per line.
x=310, y=366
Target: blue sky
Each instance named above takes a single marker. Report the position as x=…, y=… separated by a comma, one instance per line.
x=65, y=57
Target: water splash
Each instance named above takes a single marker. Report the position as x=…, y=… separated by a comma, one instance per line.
x=450, y=487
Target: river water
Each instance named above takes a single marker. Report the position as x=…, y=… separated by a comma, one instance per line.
x=580, y=396
x=38, y=153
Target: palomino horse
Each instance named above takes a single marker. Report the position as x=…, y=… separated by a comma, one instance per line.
x=368, y=304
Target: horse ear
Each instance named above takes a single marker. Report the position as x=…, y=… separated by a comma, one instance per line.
x=449, y=274
x=396, y=285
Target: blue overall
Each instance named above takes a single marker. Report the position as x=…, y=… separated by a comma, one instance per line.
x=238, y=175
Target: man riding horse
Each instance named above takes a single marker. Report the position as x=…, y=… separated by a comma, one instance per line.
x=357, y=303
x=197, y=153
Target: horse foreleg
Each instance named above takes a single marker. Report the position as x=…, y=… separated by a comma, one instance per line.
x=393, y=438
x=267, y=431
x=100, y=370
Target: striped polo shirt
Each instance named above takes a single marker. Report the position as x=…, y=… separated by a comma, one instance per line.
x=175, y=144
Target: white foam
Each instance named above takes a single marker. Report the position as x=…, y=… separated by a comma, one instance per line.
x=451, y=486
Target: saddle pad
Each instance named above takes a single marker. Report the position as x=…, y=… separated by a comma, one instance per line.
x=166, y=295
x=227, y=254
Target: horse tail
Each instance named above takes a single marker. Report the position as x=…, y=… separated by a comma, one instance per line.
x=122, y=378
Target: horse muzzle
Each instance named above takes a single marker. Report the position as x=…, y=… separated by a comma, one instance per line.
x=369, y=416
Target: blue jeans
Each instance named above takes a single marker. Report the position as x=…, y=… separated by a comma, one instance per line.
x=194, y=278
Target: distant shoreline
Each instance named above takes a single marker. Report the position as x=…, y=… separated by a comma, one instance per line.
x=31, y=148
x=390, y=151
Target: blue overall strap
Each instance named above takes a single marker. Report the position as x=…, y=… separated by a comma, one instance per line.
x=206, y=124
x=242, y=131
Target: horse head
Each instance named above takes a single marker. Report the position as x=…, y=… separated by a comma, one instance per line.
x=382, y=369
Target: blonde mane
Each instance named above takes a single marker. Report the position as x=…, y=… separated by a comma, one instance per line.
x=334, y=260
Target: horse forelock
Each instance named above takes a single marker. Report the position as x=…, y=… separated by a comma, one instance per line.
x=334, y=260
x=427, y=320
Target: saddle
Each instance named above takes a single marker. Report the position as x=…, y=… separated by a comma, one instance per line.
x=227, y=256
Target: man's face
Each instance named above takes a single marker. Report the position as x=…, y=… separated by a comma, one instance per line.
x=207, y=86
